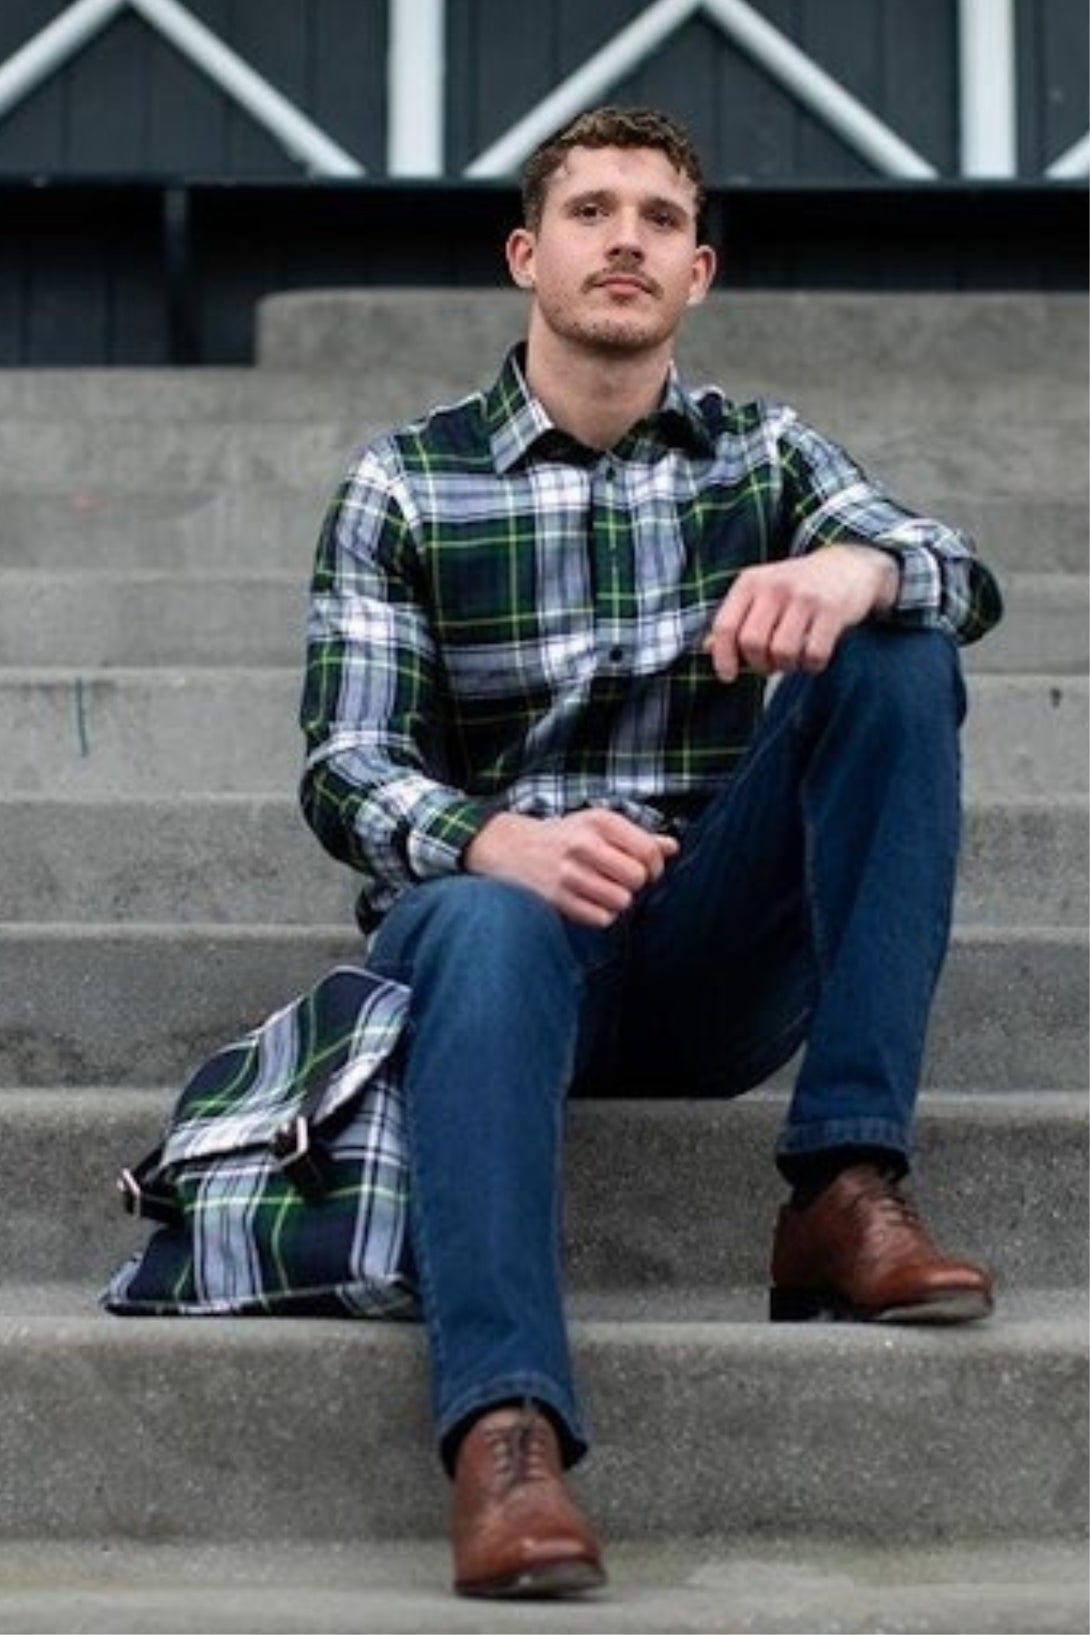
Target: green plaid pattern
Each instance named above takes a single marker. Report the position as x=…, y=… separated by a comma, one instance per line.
x=502, y=618
x=248, y=1240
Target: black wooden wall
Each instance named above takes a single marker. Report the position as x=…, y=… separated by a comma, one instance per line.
x=142, y=214
x=130, y=104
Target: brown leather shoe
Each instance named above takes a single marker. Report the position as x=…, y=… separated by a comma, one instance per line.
x=515, y=1530
x=859, y=1252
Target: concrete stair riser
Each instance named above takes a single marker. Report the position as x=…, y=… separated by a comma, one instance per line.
x=144, y=1004
x=341, y=346
x=236, y=860
x=128, y=400
x=658, y=1586
x=112, y=620
x=203, y=531
x=660, y=1195
x=213, y=529
x=148, y=732
x=203, y=1430
x=914, y=461
x=750, y=335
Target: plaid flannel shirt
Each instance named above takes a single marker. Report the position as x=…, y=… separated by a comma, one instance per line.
x=502, y=618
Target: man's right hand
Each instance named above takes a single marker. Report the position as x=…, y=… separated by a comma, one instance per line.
x=591, y=865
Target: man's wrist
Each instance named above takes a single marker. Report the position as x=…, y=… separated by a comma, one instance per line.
x=886, y=569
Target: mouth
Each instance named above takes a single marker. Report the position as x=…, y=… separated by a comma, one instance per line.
x=624, y=283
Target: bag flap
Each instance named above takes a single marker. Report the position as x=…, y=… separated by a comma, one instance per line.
x=332, y=1039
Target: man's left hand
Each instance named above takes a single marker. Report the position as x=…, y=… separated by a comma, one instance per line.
x=790, y=615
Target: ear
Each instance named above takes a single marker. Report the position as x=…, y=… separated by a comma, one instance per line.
x=520, y=257
x=704, y=264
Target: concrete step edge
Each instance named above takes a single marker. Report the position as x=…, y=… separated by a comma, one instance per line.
x=937, y=1104
x=174, y=675
x=979, y=1160
x=1064, y=802
x=742, y=1424
x=757, y=1586
x=1074, y=937
x=632, y=1318
x=1011, y=1009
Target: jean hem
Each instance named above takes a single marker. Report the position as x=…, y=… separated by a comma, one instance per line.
x=519, y=1386
x=802, y=1141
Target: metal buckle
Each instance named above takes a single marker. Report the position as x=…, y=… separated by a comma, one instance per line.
x=132, y=1194
x=298, y=1158
x=146, y=1204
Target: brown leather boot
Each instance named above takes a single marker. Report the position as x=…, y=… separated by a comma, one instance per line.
x=859, y=1252
x=515, y=1530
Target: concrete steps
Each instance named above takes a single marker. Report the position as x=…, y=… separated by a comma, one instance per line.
x=109, y=618
x=235, y=1412
x=90, y=1004
x=765, y=1586
x=921, y=456
x=662, y=1194
x=170, y=730
x=238, y=859
x=75, y=525
x=160, y=892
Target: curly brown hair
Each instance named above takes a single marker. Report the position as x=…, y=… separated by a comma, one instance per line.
x=608, y=128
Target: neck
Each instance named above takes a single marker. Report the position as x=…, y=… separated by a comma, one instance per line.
x=595, y=397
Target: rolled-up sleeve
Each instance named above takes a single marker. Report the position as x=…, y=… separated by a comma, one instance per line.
x=828, y=499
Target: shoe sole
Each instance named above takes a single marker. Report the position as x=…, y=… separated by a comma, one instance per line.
x=548, y=1581
x=815, y=1306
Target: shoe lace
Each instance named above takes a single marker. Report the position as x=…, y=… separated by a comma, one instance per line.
x=896, y=1207
x=884, y=1190
x=520, y=1451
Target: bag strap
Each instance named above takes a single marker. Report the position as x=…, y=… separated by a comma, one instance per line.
x=294, y=1146
x=141, y=1197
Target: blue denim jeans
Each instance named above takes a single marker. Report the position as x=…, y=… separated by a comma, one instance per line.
x=809, y=905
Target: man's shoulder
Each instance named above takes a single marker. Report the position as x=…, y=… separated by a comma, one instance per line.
x=448, y=430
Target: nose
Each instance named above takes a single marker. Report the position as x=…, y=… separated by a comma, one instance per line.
x=626, y=240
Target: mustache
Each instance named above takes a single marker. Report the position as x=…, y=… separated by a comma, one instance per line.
x=624, y=268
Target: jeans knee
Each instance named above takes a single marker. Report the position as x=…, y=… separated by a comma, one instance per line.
x=472, y=922
x=901, y=676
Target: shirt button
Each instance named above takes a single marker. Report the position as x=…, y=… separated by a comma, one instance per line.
x=616, y=654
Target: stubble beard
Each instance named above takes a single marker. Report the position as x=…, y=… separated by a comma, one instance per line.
x=610, y=334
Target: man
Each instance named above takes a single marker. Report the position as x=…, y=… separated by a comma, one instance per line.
x=542, y=622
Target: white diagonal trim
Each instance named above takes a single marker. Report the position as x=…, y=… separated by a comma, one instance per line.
x=1073, y=164
x=624, y=52
x=416, y=72
x=50, y=49
x=783, y=60
x=817, y=90
x=293, y=130
x=67, y=34
x=989, y=119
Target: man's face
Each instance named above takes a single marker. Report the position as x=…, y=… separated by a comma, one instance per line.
x=614, y=261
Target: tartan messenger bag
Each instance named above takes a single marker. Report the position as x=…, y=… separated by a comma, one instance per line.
x=281, y=1184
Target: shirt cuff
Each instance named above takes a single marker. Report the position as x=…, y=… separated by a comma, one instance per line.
x=436, y=846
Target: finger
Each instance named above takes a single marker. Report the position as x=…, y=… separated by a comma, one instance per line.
x=756, y=634
x=789, y=639
x=621, y=834
x=722, y=640
x=583, y=913
x=821, y=640
x=598, y=899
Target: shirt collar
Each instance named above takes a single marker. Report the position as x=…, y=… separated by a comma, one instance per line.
x=519, y=423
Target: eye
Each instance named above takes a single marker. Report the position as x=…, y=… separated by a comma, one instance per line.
x=589, y=210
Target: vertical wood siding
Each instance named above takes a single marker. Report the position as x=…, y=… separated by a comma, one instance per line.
x=129, y=104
